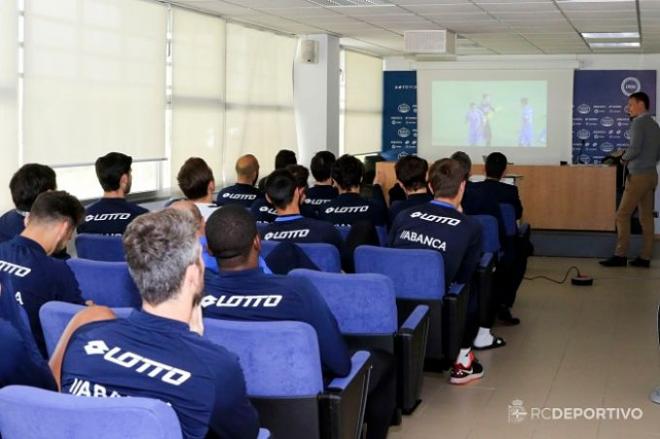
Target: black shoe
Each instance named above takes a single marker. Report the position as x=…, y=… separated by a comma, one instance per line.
x=639, y=262
x=505, y=317
x=615, y=261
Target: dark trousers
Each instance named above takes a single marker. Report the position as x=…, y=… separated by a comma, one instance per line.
x=511, y=269
x=381, y=401
x=362, y=233
x=471, y=321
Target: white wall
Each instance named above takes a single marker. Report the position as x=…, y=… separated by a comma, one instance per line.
x=316, y=99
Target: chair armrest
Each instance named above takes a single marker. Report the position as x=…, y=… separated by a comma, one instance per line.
x=456, y=289
x=415, y=318
x=263, y=434
x=359, y=361
x=486, y=260
x=342, y=406
x=411, y=340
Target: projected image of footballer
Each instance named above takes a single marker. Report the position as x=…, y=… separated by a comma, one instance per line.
x=475, y=120
x=526, y=136
x=487, y=110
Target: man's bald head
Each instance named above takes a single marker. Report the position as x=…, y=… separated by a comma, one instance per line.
x=247, y=169
x=190, y=207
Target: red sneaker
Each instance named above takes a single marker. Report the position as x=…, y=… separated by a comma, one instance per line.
x=462, y=375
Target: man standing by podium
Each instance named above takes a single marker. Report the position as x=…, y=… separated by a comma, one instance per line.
x=640, y=159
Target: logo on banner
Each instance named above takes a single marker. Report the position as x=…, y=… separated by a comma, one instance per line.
x=585, y=159
x=626, y=134
x=403, y=132
x=584, y=109
x=403, y=108
x=607, y=121
x=606, y=147
x=630, y=85
x=583, y=134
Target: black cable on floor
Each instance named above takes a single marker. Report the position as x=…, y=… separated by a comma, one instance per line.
x=568, y=272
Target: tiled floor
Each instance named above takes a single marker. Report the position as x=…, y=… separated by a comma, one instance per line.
x=584, y=347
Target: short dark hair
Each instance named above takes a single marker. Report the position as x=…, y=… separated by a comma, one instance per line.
x=640, y=96
x=194, y=178
x=495, y=165
x=411, y=172
x=300, y=175
x=160, y=246
x=284, y=158
x=347, y=172
x=30, y=181
x=230, y=232
x=321, y=165
x=280, y=187
x=446, y=176
x=464, y=160
x=110, y=168
x=57, y=206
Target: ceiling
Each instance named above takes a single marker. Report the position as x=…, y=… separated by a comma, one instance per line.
x=483, y=26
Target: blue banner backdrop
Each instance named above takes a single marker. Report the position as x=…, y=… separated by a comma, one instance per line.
x=600, y=121
x=399, y=114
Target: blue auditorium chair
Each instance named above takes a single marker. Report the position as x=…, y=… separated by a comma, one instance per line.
x=100, y=247
x=365, y=308
x=28, y=412
x=419, y=279
x=54, y=317
x=325, y=256
x=106, y=283
x=483, y=281
x=282, y=367
x=511, y=226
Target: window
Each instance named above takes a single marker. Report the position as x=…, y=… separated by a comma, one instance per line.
x=362, y=103
x=94, y=82
x=260, y=118
x=8, y=97
x=198, y=73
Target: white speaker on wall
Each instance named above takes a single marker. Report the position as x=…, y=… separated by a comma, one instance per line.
x=307, y=52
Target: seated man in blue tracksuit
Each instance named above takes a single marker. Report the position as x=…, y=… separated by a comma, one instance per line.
x=323, y=191
x=243, y=192
x=112, y=213
x=286, y=194
x=349, y=207
x=25, y=186
x=21, y=362
x=411, y=175
x=484, y=198
x=242, y=291
x=196, y=181
x=440, y=226
x=159, y=352
x=37, y=277
x=263, y=210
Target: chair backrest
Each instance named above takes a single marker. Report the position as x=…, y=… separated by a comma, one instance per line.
x=325, y=256
x=363, y=304
x=28, y=412
x=100, y=247
x=509, y=217
x=416, y=274
x=490, y=237
x=54, y=317
x=381, y=231
x=106, y=283
x=278, y=358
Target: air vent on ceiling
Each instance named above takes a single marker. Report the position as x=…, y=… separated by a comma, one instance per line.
x=354, y=3
x=431, y=42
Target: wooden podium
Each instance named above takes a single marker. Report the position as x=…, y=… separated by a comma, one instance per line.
x=554, y=197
